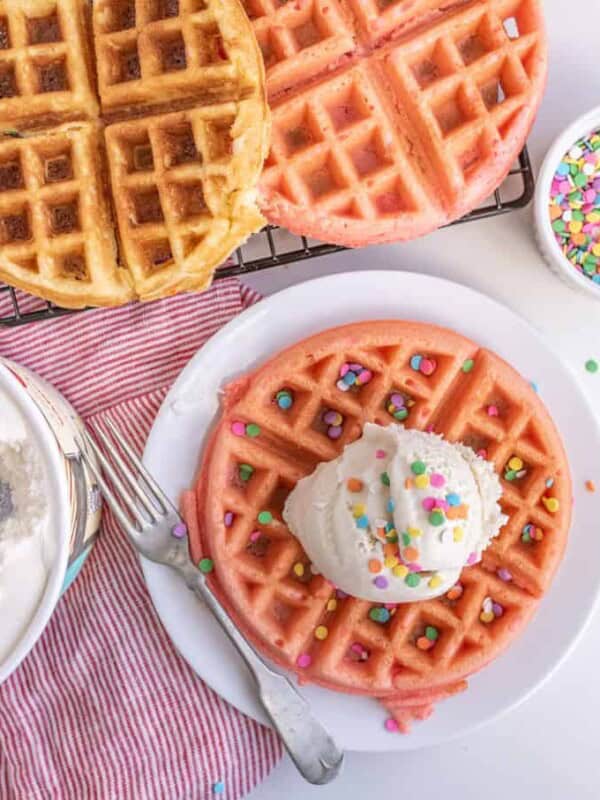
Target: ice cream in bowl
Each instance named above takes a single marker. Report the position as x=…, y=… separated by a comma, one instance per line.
x=398, y=515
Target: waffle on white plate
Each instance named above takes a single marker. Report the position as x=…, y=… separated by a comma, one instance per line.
x=134, y=137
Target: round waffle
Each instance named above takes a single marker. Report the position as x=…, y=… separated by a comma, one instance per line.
x=260, y=449
x=394, y=117
x=137, y=135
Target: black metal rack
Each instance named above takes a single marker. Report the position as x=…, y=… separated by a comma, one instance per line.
x=274, y=247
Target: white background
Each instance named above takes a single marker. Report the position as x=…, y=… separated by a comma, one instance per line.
x=549, y=747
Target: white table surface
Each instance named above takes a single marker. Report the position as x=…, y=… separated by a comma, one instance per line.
x=548, y=748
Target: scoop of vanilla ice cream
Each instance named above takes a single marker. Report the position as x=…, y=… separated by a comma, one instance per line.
x=397, y=516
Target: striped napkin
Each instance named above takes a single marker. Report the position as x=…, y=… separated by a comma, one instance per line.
x=104, y=706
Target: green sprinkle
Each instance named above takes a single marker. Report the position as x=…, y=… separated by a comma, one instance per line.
x=206, y=565
x=265, y=517
x=405, y=539
x=252, y=430
x=558, y=225
x=392, y=537
x=526, y=538
x=245, y=472
x=431, y=633
x=510, y=475
x=412, y=579
x=418, y=467
x=468, y=365
x=401, y=414
x=591, y=365
x=436, y=518
x=385, y=479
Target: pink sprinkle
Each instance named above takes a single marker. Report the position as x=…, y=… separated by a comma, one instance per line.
x=414, y=567
x=344, y=369
x=429, y=428
x=504, y=574
x=472, y=559
x=492, y=411
x=391, y=725
x=303, y=660
x=497, y=609
x=441, y=503
x=380, y=453
x=428, y=503
x=365, y=376
x=356, y=648
x=254, y=536
x=389, y=606
x=437, y=480
x=340, y=594
x=238, y=428
x=482, y=453
x=427, y=366
x=565, y=187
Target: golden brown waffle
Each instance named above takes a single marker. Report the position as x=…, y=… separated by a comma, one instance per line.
x=45, y=63
x=57, y=237
x=472, y=396
x=173, y=160
x=390, y=118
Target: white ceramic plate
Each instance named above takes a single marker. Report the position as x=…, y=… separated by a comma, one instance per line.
x=175, y=444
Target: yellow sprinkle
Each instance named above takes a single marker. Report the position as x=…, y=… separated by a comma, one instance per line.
x=359, y=510
x=422, y=481
x=515, y=463
x=435, y=581
x=332, y=604
x=390, y=562
x=458, y=534
x=415, y=532
x=593, y=216
x=596, y=249
x=551, y=503
x=299, y=569
x=321, y=632
x=487, y=616
x=575, y=226
x=401, y=571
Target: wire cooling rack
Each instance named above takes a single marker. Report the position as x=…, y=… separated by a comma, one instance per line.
x=273, y=247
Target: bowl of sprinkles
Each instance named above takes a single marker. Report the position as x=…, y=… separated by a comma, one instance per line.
x=567, y=205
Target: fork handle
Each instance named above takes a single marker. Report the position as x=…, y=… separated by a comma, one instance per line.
x=311, y=748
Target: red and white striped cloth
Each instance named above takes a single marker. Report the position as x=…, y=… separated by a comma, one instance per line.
x=104, y=706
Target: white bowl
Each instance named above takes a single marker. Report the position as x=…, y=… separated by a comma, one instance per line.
x=546, y=240
x=60, y=518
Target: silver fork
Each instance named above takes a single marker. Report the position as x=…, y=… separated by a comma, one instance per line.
x=156, y=530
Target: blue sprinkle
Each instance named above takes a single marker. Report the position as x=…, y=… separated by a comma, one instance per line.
x=453, y=499
x=415, y=362
x=534, y=386
x=349, y=378
x=218, y=787
x=284, y=402
x=389, y=527
x=563, y=169
x=549, y=483
x=362, y=522
x=391, y=505
x=596, y=278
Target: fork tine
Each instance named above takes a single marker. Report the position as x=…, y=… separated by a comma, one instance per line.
x=159, y=495
x=121, y=516
x=122, y=490
x=129, y=476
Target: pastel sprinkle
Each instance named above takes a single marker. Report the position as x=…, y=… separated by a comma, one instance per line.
x=423, y=643
x=421, y=482
x=218, y=787
x=385, y=479
x=401, y=571
x=331, y=604
x=492, y=411
x=380, y=453
x=458, y=534
x=391, y=725
x=591, y=365
x=228, y=519
x=206, y=565
x=381, y=582
x=436, y=518
x=486, y=616
x=415, y=362
x=434, y=582
x=453, y=499
x=179, y=530
x=252, y=430
x=468, y=365
x=504, y=574
x=354, y=484
x=455, y=592
x=418, y=468
x=321, y=632
x=431, y=633
x=284, y=399
x=265, y=517
x=245, y=471
x=472, y=559
x=379, y=614
x=238, y=428
x=437, y=480
x=304, y=660
x=590, y=486
x=374, y=565
x=299, y=569
x=551, y=504
x=413, y=579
